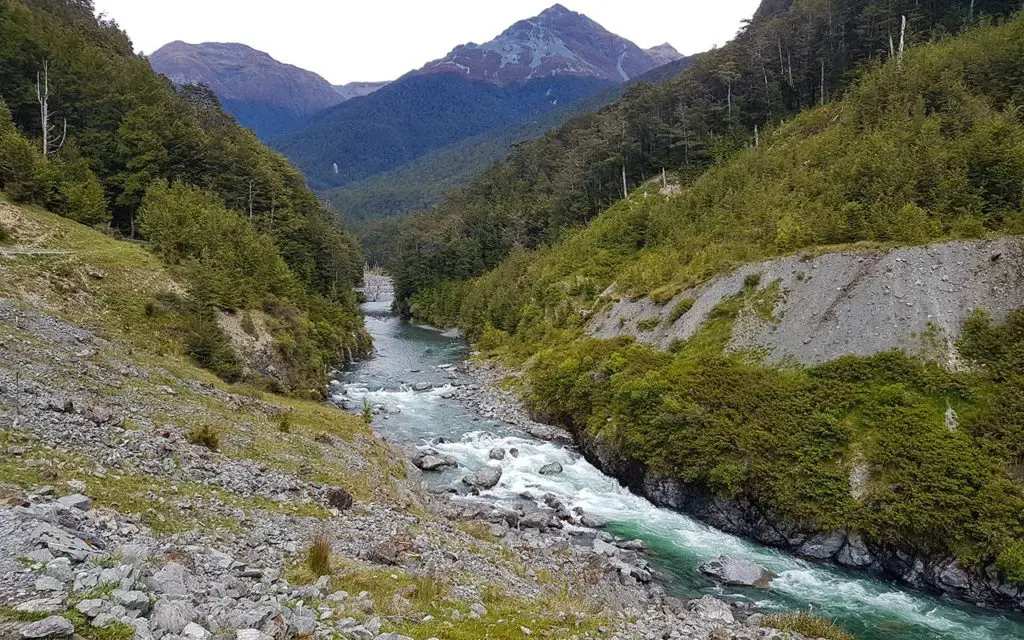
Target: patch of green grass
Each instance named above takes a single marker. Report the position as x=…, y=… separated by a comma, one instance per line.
x=680, y=309
x=807, y=624
x=648, y=324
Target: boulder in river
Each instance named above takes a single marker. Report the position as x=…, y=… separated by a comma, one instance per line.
x=734, y=571
x=431, y=460
x=485, y=478
x=497, y=453
x=551, y=469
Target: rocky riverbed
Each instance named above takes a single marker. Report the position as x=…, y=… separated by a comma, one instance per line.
x=119, y=519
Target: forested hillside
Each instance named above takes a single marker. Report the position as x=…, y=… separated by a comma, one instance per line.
x=123, y=150
x=793, y=55
x=922, y=147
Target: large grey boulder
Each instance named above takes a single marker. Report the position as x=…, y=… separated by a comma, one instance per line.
x=172, y=616
x=486, y=478
x=735, y=571
x=76, y=501
x=712, y=609
x=51, y=627
x=497, y=453
x=169, y=580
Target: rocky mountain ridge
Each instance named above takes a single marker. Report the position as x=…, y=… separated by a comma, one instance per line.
x=266, y=95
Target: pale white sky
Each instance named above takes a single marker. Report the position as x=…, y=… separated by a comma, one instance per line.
x=346, y=40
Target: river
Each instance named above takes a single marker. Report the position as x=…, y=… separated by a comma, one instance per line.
x=869, y=607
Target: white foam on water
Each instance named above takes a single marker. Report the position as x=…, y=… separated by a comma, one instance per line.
x=821, y=587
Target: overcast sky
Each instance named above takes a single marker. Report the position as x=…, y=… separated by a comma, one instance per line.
x=346, y=40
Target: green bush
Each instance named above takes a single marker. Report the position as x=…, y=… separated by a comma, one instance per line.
x=680, y=309
x=204, y=436
x=806, y=624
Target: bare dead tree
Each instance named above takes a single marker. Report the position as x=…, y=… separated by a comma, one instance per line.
x=903, y=33
x=52, y=143
x=251, y=184
x=823, y=82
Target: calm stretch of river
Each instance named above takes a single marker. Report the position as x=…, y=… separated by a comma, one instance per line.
x=870, y=608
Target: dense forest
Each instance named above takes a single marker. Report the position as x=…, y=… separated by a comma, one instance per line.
x=122, y=149
x=900, y=148
x=794, y=54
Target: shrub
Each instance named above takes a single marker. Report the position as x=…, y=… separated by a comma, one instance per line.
x=204, y=436
x=680, y=309
x=284, y=421
x=318, y=558
x=367, y=413
x=752, y=280
x=648, y=325
x=807, y=624
x=248, y=325
x=6, y=235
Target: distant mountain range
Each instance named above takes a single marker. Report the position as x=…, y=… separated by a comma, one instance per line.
x=267, y=96
x=535, y=66
x=538, y=65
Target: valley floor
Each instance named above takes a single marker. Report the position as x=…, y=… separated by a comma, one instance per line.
x=143, y=498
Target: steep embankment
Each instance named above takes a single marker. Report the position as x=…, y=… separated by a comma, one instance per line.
x=819, y=308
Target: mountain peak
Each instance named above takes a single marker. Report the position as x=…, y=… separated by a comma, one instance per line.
x=557, y=42
x=556, y=9
x=664, y=53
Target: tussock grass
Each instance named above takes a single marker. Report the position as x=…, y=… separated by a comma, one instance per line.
x=806, y=623
x=318, y=558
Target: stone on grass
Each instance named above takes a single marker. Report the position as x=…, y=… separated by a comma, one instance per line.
x=76, y=501
x=339, y=498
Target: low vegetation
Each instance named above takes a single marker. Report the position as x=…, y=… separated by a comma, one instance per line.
x=807, y=624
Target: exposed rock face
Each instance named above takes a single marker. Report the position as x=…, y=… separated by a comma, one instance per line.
x=848, y=303
x=735, y=571
x=850, y=549
x=558, y=42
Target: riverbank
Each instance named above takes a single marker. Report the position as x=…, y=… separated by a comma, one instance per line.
x=497, y=399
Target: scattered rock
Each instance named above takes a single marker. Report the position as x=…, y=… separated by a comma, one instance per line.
x=497, y=453
x=51, y=627
x=339, y=498
x=76, y=501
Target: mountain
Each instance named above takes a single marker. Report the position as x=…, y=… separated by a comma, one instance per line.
x=267, y=96
x=357, y=89
x=558, y=42
x=535, y=66
x=664, y=53
x=422, y=184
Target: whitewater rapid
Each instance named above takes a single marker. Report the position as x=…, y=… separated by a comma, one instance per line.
x=869, y=607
